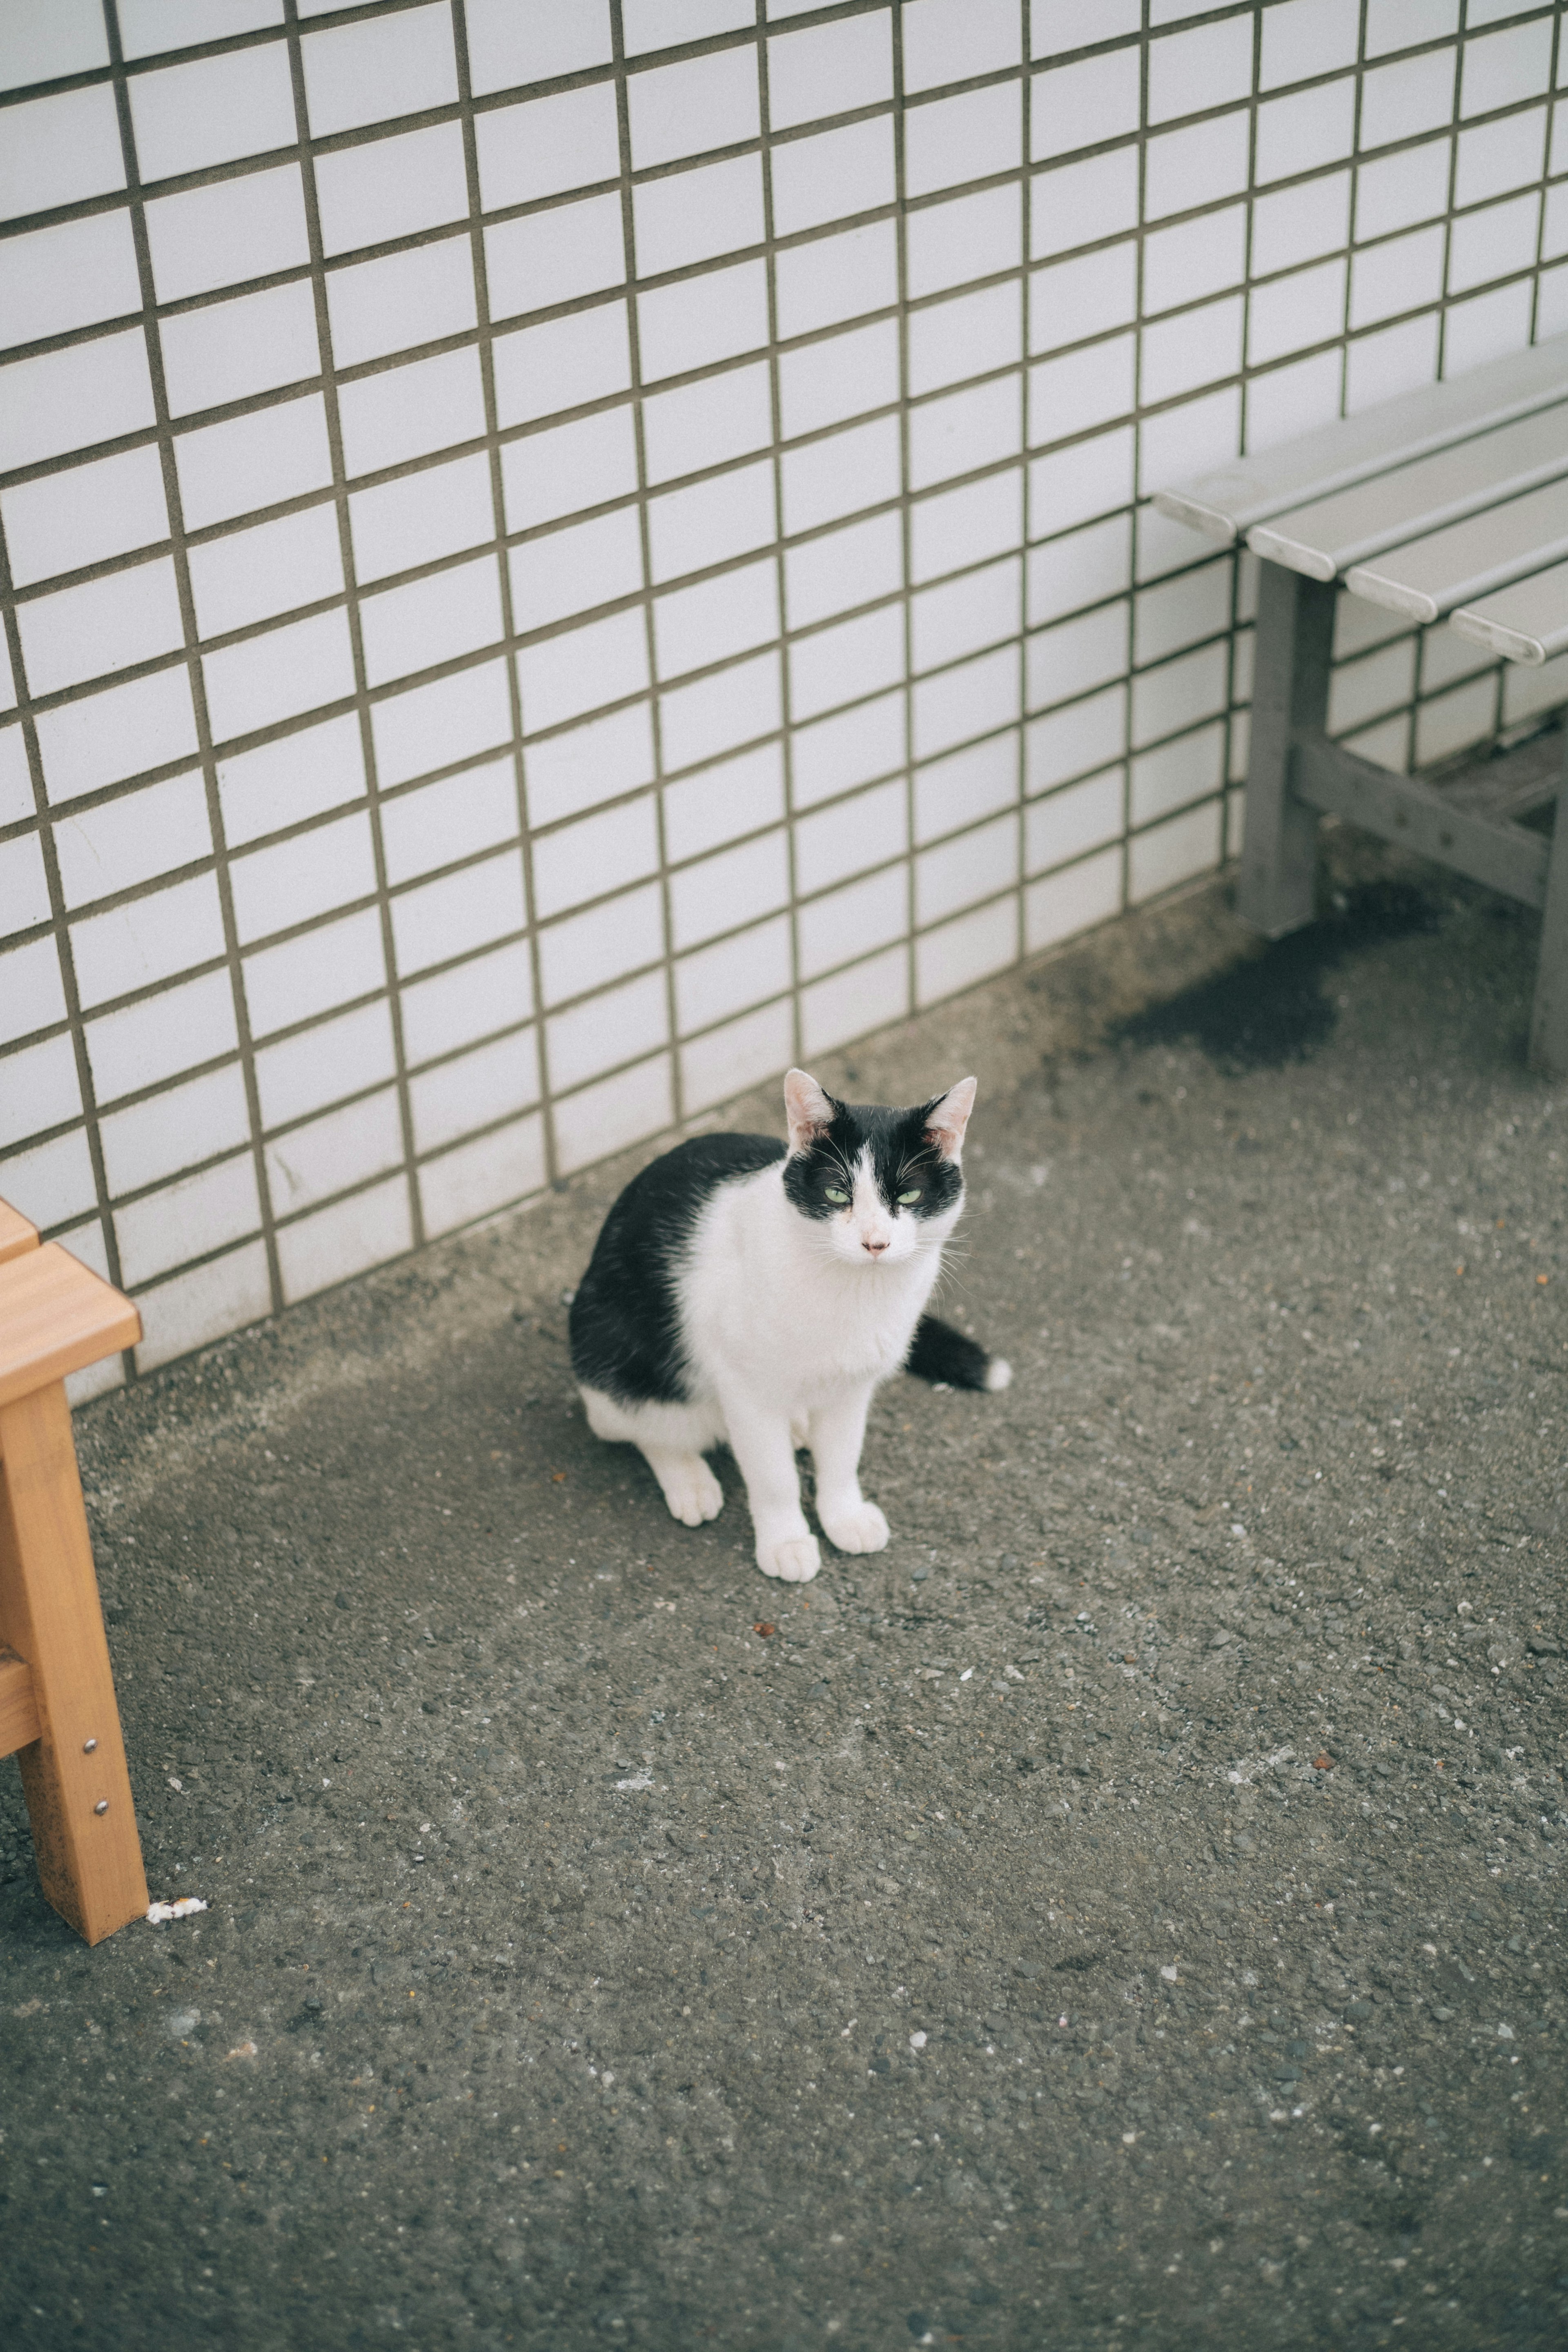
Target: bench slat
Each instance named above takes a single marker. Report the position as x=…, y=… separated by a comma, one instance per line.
x=1429, y=576
x=1326, y=536
x=1526, y=623
x=56, y=1317
x=1226, y=504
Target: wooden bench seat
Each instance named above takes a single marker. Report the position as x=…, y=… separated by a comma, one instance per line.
x=1527, y=622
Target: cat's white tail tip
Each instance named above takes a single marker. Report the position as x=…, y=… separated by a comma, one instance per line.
x=998, y=1373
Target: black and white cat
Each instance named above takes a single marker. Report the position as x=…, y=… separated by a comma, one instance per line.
x=739, y=1294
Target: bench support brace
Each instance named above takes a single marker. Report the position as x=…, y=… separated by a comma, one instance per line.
x=1289, y=705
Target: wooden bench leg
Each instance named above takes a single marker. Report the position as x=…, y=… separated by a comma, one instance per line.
x=74, y=1773
x=1549, y=1020
x=1290, y=700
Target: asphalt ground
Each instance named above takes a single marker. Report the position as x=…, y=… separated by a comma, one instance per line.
x=1128, y=1912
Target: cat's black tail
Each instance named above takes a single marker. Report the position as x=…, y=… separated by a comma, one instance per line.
x=938, y=1353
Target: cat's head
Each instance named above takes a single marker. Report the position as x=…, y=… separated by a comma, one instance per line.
x=882, y=1184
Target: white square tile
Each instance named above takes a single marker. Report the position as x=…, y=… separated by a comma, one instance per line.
x=697, y=215
x=106, y=736
x=1506, y=67
x=681, y=110
x=1210, y=65
x=26, y=899
x=124, y=841
x=71, y=275
x=1180, y=611
x=344, y=1056
x=1291, y=313
x=59, y=150
x=1379, y=367
x=440, y=511
x=850, y=836
x=1083, y=388
x=1485, y=327
x=965, y=526
x=598, y=855
x=563, y=363
x=151, y=940
x=1176, y=773
x=40, y=1092
x=1071, y=901
x=720, y=713
x=649, y=24
x=1084, y=105
x=584, y=463
x=452, y=1008
x=32, y=994
x=835, y=174
x=1179, y=693
x=695, y=626
x=839, y=753
x=1186, y=169
x=1554, y=231
x=709, y=522
x=739, y=972
x=959, y=703
x=740, y=1054
x=429, y=621
x=327, y=967
x=1069, y=742
x=451, y=719
x=555, y=256
x=403, y=299
x=843, y=569
x=700, y=424
x=1399, y=190
x=1400, y=24
x=584, y=951
x=845, y=376
x=1400, y=102
x=719, y=803
x=408, y=412
x=1077, y=299
x=965, y=952
x=195, y=1121
x=844, y=923
x=1496, y=156
x=1056, y=26
x=255, y=573
x=966, y=336
x=310, y=1163
x=547, y=146
x=384, y=66
x=250, y=462
x=392, y=187
x=1358, y=625
x=437, y=824
x=298, y=667
x=16, y=778
x=1386, y=746
x=188, y=1220
x=962, y=431
x=624, y=1023
x=1380, y=682
x=1399, y=275
x=1174, y=852
x=604, y=1118
x=1295, y=225
x=348, y=1239
x=968, y=784
x=227, y=232
x=837, y=476
x=469, y=909
x=1079, y=568
x=974, y=865
x=67, y=400
x=951, y=40
x=829, y=70
x=582, y=669
x=51, y=1182
x=477, y=1178
x=211, y=111
x=1192, y=259
x=1552, y=303
x=692, y=324
x=982, y=608
x=1493, y=243
x=492, y=1081
x=1075, y=656
x=145, y=1042
x=63, y=521
x=203, y=1305
x=1306, y=38
x=1078, y=202
x=836, y=277
x=734, y=886
x=149, y=27
x=853, y=1003
x=508, y=44
x=842, y=663
x=231, y=350
x=1182, y=440
x=590, y=763
x=968, y=137
x=573, y=570
x=293, y=880
x=103, y=625
x=1066, y=824
x=1525, y=691
x=967, y=237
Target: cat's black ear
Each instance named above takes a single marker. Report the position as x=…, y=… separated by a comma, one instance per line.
x=946, y=1118
x=810, y=1111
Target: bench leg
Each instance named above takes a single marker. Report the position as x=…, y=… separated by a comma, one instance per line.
x=1549, y=1020
x=1290, y=699
x=74, y=1774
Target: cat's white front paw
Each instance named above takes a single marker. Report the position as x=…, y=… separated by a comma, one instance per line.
x=795, y=1559
x=691, y=1491
x=861, y=1528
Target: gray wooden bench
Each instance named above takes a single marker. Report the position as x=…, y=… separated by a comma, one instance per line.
x=1450, y=502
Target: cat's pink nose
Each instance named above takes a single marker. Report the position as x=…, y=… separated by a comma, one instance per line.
x=875, y=1249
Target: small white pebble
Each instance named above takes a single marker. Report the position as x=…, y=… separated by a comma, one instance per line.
x=917, y=2041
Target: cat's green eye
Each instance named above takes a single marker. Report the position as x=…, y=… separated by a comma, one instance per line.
x=905, y=1198
x=833, y=1194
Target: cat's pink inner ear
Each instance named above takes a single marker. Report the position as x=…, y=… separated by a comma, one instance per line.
x=947, y=1119
x=810, y=1111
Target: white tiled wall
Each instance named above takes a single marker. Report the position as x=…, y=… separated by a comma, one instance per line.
x=562, y=553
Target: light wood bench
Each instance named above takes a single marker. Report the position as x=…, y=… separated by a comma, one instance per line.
x=58, y=1710
x=1450, y=502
